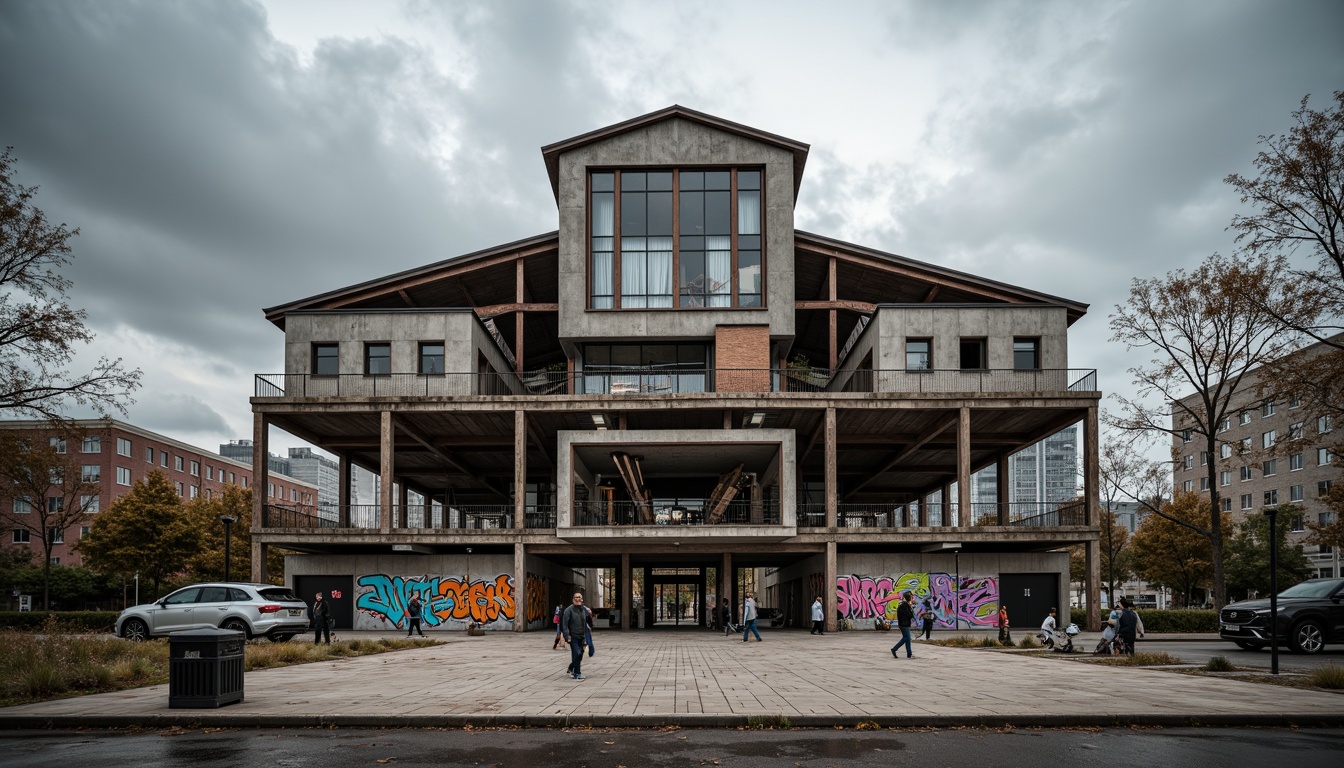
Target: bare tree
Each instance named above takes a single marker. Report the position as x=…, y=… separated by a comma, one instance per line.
x=51, y=493
x=1206, y=330
x=1298, y=201
x=1126, y=476
x=38, y=329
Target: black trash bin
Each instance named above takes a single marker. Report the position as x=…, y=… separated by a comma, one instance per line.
x=205, y=668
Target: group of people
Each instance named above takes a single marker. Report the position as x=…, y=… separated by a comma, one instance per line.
x=1122, y=631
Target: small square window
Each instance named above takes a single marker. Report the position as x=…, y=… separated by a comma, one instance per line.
x=918, y=355
x=1295, y=462
x=1268, y=409
x=1247, y=501
x=1225, y=477
x=378, y=359
x=181, y=491
x=1188, y=462
x=123, y=447
x=431, y=357
x=1271, y=467
x=177, y=463
x=1323, y=456
x=90, y=503
x=1295, y=431
x=326, y=359
x=58, y=444
x=163, y=458
x=195, y=469
x=1203, y=458
x=1271, y=497
x=1324, y=424
x=1268, y=439
x=1294, y=401
x=1245, y=473
x=1323, y=488
x=1026, y=354
x=90, y=473
x=1186, y=435
x=973, y=356
x=1295, y=493
x=92, y=445
x=1203, y=483
x=56, y=535
x=1225, y=424
x=19, y=536
x=1188, y=486
x=22, y=506
x=1227, y=504
x=149, y=455
x=1225, y=451
x=123, y=476
x=1244, y=418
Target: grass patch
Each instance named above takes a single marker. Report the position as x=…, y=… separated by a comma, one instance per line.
x=1160, y=659
x=966, y=641
x=36, y=667
x=1219, y=664
x=760, y=723
x=1028, y=642
x=1330, y=676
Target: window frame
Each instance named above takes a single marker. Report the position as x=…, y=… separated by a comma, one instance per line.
x=318, y=358
x=1035, y=342
x=910, y=343
x=980, y=347
x=369, y=347
x=736, y=251
x=442, y=358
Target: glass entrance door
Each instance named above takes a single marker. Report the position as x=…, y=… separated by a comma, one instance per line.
x=678, y=604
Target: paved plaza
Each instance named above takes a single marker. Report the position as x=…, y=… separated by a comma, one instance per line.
x=701, y=678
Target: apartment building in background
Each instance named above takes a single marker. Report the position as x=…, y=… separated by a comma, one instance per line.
x=1273, y=452
x=674, y=397
x=116, y=455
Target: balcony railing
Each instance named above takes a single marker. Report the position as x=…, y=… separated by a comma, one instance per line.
x=473, y=517
x=656, y=381
x=627, y=513
x=913, y=515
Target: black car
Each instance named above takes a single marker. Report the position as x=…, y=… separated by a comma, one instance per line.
x=1311, y=614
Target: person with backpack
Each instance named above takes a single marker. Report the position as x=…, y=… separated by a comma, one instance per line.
x=1129, y=626
x=905, y=614
x=414, y=608
x=559, y=635
x=929, y=617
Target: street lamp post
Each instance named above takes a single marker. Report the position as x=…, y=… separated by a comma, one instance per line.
x=228, y=521
x=1273, y=514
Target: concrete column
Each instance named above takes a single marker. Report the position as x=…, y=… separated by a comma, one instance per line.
x=1091, y=467
x=726, y=581
x=1003, y=491
x=346, y=469
x=261, y=475
x=828, y=588
x=387, y=448
x=259, y=552
x=964, y=512
x=832, y=487
x=519, y=467
x=520, y=589
x=403, y=502
x=625, y=584
x=1092, y=558
x=947, y=506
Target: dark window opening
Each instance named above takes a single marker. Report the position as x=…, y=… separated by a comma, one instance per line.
x=326, y=359
x=431, y=358
x=1026, y=354
x=972, y=354
x=378, y=359
x=918, y=355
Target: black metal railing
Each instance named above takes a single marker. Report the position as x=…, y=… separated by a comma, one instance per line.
x=419, y=517
x=629, y=513
x=977, y=381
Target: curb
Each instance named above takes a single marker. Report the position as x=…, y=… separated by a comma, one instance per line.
x=224, y=720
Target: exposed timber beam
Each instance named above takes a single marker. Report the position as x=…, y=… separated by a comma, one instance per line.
x=900, y=456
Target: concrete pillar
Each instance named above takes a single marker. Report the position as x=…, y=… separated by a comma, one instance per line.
x=403, y=504
x=947, y=506
x=259, y=552
x=1091, y=467
x=519, y=466
x=521, y=597
x=726, y=581
x=1003, y=491
x=828, y=588
x=387, y=464
x=261, y=475
x=832, y=487
x=1092, y=558
x=346, y=469
x=626, y=585
x=964, y=511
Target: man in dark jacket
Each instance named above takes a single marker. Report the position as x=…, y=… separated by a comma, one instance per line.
x=414, y=609
x=1129, y=626
x=905, y=614
x=574, y=625
x=320, y=616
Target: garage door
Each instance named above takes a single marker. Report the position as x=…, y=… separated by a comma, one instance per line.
x=1029, y=598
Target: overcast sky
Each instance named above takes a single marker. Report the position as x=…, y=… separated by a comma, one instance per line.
x=221, y=157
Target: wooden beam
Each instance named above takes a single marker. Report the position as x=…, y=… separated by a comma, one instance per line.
x=495, y=310
x=406, y=297
x=913, y=274
x=473, y=475
x=932, y=293
x=854, y=306
x=443, y=274
x=900, y=456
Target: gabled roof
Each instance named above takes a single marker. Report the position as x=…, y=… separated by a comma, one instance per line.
x=552, y=152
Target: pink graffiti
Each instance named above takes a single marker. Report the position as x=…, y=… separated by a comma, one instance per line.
x=975, y=604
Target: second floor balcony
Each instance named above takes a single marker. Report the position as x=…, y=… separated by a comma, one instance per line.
x=656, y=381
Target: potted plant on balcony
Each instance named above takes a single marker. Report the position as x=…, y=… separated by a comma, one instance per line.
x=799, y=368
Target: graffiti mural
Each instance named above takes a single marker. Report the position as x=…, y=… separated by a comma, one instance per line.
x=446, y=599
x=536, y=599
x=976, y=603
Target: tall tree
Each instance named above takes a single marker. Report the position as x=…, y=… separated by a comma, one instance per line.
x=1126, y=476
x=1204, y=337
x=206, y=516
x=39, y=331
x=52, y=494
x=1248, y=555
x=1297, y=201
x=147, y=531
x=1170, y=549
x=1330, y=533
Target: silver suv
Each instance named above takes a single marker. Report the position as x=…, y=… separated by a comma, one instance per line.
x=256, y=609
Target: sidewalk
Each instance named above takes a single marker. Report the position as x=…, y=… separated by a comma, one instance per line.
x=646, y=678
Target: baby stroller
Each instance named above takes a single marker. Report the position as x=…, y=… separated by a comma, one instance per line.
x=1110, y=643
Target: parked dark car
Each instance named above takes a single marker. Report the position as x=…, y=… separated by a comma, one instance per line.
x=1311, y=614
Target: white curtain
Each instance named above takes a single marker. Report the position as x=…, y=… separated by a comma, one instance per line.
x=604, y=216
x=634, y=279
x=748, y=212
x=603, y=224
x=660, y=271
x=602, y=279
x=718, y=271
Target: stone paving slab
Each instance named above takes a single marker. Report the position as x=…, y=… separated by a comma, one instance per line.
x=702, y=678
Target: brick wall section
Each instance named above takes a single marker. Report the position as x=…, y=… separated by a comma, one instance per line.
x=742, y=358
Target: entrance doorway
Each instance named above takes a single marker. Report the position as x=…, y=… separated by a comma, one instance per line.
x=676, y=597
x=1029, y=598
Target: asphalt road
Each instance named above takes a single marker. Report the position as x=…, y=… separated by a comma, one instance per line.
x=1198, y=652
x=637, y=748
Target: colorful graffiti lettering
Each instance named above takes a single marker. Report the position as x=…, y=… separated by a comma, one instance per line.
x=976, y=602
x=445, y=598
x=536, y=599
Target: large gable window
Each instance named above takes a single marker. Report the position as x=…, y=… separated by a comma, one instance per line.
x=701, y=227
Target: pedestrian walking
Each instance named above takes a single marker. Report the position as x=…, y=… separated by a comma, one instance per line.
x=818, y=618
x=574, y=626
x=749, y=618
x=727, y=612
x=929, y=617
x=559, y=634
x=319, y=615
x=414, y=609
x=1129, y=625
x=1005, y=637
x=905, y=614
